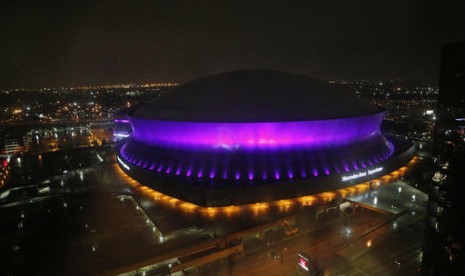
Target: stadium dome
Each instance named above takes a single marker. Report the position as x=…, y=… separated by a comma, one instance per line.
x=256, y=96
x=256, y=135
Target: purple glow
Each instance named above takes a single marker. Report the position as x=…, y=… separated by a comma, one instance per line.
x=315, y=172
x=290, y=174
x=121, y=121
x=250, y=175
x=256, y=135
x=277, y=175
x=326, y=171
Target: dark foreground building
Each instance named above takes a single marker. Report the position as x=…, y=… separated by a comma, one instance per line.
x=252, y=136
x=445, y=227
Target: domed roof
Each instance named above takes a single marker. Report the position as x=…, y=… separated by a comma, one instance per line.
x=255, y=96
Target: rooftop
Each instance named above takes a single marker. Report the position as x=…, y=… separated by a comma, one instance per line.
x=256, y=96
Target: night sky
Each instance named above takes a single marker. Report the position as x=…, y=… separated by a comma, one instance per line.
x=54, y=43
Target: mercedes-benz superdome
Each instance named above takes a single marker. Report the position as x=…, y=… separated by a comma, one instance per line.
x=255, y=135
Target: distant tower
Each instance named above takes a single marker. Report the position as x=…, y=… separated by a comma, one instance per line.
x=444, y=252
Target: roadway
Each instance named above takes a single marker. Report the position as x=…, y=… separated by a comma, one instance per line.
x=366, y=244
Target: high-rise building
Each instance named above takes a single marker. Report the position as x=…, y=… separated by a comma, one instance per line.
x=444, y=252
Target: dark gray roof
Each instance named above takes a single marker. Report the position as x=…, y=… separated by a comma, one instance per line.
x=256, y=96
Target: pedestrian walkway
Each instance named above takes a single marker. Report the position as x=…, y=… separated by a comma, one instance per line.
x=390, y=199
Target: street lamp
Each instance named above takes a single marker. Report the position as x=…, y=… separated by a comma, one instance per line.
x=280, y=257
x=348, y=234
x=350, y=255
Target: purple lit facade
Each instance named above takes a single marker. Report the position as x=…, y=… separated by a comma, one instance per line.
x=211, y=135
x=122, y=129
x=252, y=166
x=256, y=152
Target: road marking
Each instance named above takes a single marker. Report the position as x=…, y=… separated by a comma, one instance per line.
x=360, y=271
